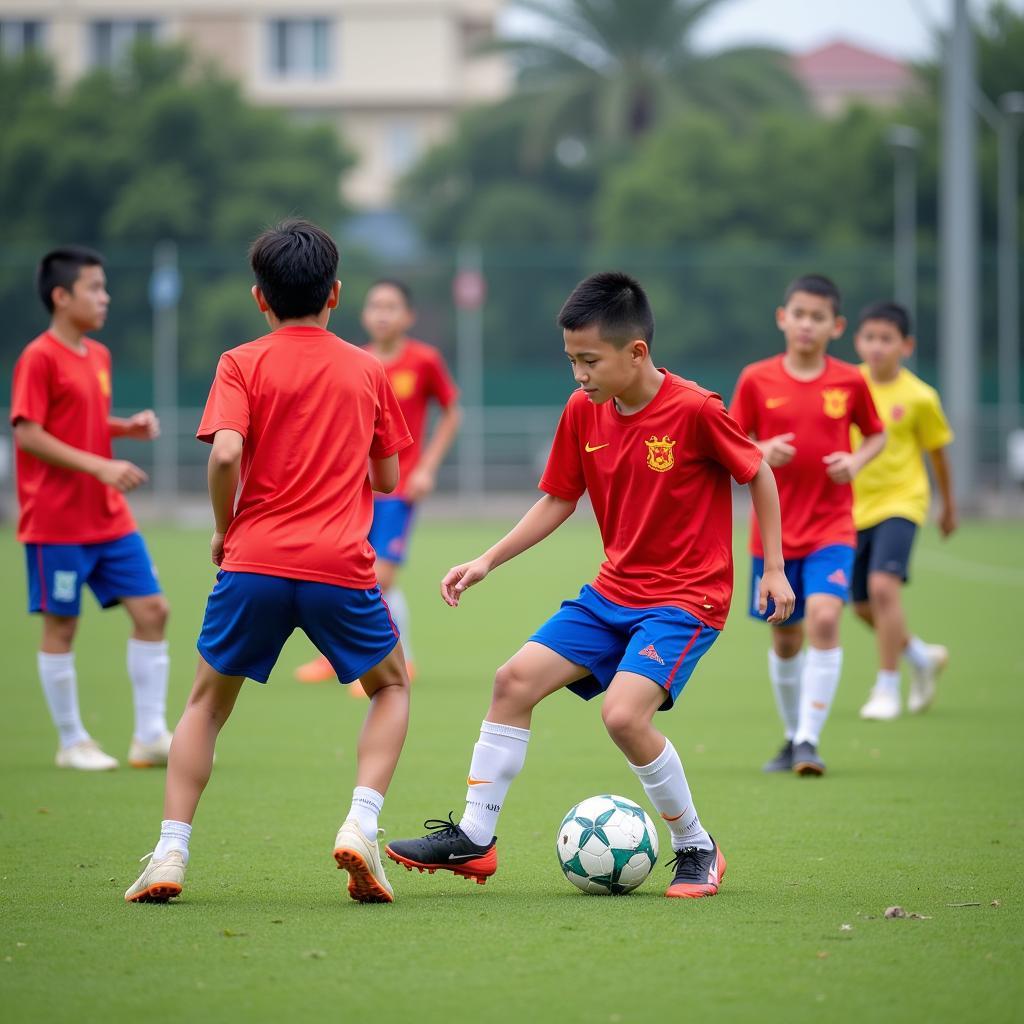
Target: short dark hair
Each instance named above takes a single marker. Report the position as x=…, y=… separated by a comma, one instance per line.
x=891, y=312
x=814, y=284
x=295, y=265
x=60, y=268
x=399, y=286
x=613, y=301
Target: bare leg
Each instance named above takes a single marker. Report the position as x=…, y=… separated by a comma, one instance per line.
x=889, y=618
x=628, y=714
x=386, y=723
x=788, y=641
x=188, y=768
x=149, y=616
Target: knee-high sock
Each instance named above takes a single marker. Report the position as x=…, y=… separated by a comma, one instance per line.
x=60, y=687
x=400, y=613
x=785, y=674
x=498, y=758
x=817, y=691
x=148, y=668
x=665, y=784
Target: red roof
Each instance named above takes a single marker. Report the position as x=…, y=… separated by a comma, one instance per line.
x=850, y=65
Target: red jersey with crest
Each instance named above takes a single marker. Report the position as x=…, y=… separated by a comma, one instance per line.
x=768, y=401
x=418, y=376
x=312, y=410
x=659, y=483
x=68, y=394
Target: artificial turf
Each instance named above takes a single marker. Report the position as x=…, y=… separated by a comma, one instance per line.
x=924, y=812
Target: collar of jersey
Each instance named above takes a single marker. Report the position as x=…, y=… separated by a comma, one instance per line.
x=654, y=403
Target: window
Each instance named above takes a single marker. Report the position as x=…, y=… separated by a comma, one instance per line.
x=110, y=41
x=18, y=37
x=300, y=48
x=403, y=145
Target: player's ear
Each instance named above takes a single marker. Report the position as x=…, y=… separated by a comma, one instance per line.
x=638, y=350
x=334, y=297
x=909, y=344
x=780, y=317
x=840, y=327
x=260, y=301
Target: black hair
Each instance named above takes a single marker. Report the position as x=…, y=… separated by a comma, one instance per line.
x=613, y=301
x=890, y=312
x=399, y=286
x=295, y=265
x=815, y=284
x=60, y=268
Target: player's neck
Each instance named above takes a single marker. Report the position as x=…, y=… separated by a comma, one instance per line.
x=804, y=365
x=387, y=349
x=886, y=376
x=68, y=334
x=641, y=392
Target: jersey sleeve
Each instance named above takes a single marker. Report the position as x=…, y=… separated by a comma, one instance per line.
x=30, y=389
x=743, y=407
x=563, y=474
x=864, y=414
x=227, y=407
x=932, y=428
x=390, y=432
x=721, y=438
x=440, y=385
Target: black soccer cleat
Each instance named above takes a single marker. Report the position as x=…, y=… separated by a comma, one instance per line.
x=782, y=761
x=696, y=872
x=446, y=848
x=806, y=760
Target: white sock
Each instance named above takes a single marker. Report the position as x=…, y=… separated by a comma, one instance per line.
x=785, y=674
x=817, y=691
x=498, y=758
x=665, y=784
x=366, y=807
x=148, y=668
x=400, y=614
x=60, y=687
x=174, y=835
x=888, y=683
x=916, y=652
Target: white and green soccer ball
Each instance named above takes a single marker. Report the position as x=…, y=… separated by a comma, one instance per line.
x=607, y=844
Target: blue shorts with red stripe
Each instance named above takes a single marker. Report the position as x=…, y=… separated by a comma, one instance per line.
x=663, y=643
x=389, y=531
x=825, y=571
x=249, y=616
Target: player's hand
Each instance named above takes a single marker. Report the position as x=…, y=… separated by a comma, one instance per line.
x=775, y=585
x=143, y=426
x=121, y=474
x=778, y=450
x=217, y=548
x=421, y=482
x=461, y=578
x=841, y=467
x=948, y=521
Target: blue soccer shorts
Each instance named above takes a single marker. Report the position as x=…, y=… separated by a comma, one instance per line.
x=112, y=570
x=663, y=643
x=825, y=571
x=884, y=547
x=249, y=617
x=389, y=532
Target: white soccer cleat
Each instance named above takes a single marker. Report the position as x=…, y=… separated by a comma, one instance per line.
x=882, y=706
x=85, y=756
x=922, y=680
x=150, y=755
x=360, y=857
x=161, y=880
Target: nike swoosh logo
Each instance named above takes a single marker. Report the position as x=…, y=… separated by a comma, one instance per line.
x=477, y=782
x=596, y=448
x=678, y=816
x=774, y=403
x=462, y=856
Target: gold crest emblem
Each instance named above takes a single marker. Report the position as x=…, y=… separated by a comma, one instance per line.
x=836, y=400
x=104, y=378
x=660, y=456
x=404, y=383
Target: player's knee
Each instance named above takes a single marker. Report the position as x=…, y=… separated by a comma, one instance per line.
x=513, y=687
x=883, y=588
x=787, y=642
x=59, y=630
x=823, y=625
x=619, y=719
x=151, y=614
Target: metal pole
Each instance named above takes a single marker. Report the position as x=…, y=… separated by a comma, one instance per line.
x=165, y=290
x=958, y=226
x=1012, y=108
x=469, y=351
x=904, y=142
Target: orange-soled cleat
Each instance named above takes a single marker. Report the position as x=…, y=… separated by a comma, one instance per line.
x=696, y=872
x=446, y=848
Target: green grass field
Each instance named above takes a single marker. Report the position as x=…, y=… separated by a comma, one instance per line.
x=923, y=812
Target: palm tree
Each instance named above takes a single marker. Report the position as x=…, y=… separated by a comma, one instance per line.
x=610, y=70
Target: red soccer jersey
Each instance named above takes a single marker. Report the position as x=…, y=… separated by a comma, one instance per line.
x=659, y=483
x=768, y=401
x=312, y=409
x=418, y=375
x=68, y=394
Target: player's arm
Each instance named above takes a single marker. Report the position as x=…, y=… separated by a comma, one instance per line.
x=222, y=474
x=424, y=477
x=539, y=522
x=33, y=438
x=842, y=467
x=384, y=474
x=765, y=496
x=948, y=521
x=143, y=426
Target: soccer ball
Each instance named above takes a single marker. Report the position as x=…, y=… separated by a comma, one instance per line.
x=607, y=844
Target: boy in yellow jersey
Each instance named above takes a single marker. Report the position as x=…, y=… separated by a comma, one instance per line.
x=891, y=498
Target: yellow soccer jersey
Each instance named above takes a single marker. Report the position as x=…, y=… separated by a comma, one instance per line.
x=896, y=482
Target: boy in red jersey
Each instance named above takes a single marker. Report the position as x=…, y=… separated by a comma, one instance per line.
x=656, y=453
x=799, y=406
x=418, y=376
x=297, y=415
x=74, y=521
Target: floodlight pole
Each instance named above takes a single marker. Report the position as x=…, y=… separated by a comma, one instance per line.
x=164, y=292
x=904, y=142
x=469, y=347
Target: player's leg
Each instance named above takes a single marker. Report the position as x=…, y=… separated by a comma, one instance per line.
x=886, y=611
